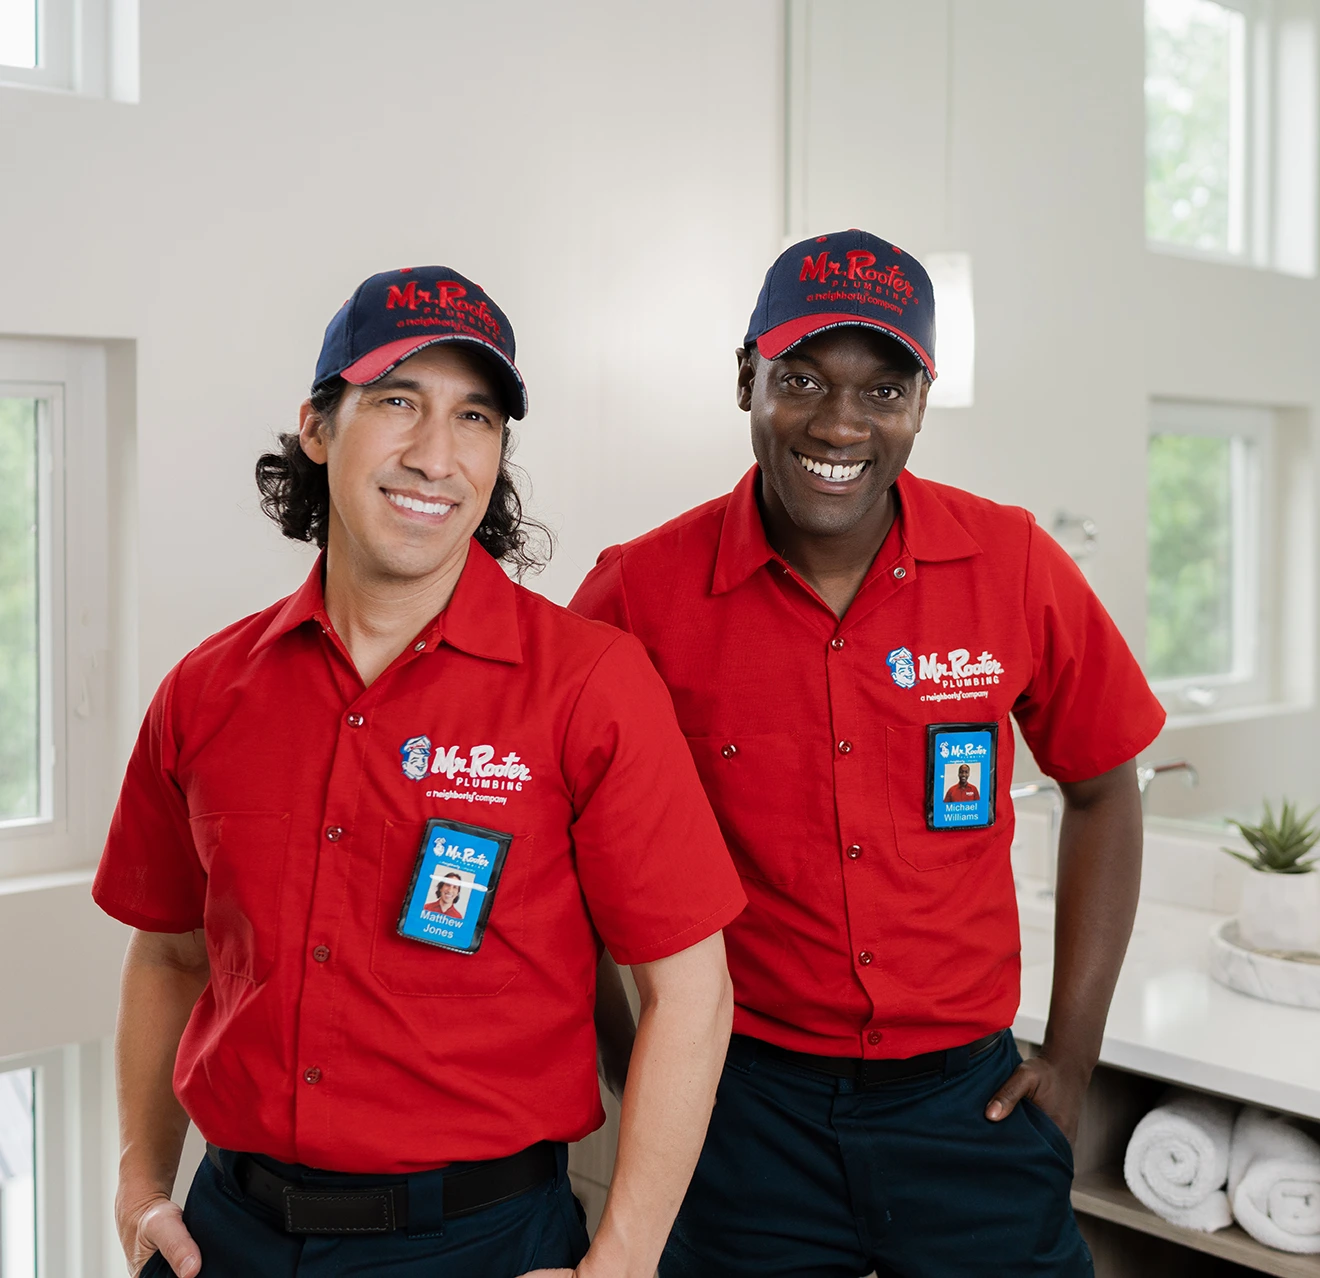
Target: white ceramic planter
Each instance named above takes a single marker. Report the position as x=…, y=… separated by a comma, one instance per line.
x=1280, y=911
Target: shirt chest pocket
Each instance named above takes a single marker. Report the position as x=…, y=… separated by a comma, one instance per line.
x=768, y=799
x=411, y=967
x=907, y=768
x=244, y=855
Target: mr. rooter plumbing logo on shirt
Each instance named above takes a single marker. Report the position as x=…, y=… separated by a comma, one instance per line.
x=958, y=675
x=475, y=770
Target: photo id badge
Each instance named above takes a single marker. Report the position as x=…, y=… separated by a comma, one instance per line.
x=453, y=886
x=960, y=775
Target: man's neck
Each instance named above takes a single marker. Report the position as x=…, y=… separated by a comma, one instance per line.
x=376, y=616
x=834, y=567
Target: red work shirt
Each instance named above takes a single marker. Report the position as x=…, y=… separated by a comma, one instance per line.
x=279, y=804
x=868, y=933
x=962, y=794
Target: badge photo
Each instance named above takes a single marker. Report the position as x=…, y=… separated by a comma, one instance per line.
x=960, y=775
x=453, y=885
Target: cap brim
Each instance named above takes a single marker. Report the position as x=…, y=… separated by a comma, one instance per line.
x=375, y=364
x=777, y=341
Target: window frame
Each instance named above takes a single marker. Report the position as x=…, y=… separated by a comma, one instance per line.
x=74, y=1156
x=55, y=39
x=77, y=722
x=1252, y=681
x=1270, y=147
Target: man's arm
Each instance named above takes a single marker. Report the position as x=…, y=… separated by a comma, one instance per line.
x=615, y=1028
x=682, y=1039
x=164, y=975
x=1095, y=903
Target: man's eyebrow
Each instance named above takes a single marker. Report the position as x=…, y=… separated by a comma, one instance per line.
x=392, y=383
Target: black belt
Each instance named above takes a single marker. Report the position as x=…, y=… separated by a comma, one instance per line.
x=875, y=1073
x=381, y=1209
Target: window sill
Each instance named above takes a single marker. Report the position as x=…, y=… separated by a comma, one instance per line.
x=45, y=882
x=1234, y=714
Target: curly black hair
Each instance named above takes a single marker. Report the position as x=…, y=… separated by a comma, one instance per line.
x=295, y=493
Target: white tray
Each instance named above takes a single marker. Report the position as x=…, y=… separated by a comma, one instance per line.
x=1269, y=975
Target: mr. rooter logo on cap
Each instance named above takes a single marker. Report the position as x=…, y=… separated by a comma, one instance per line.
x=395, y=314
x=849, y=278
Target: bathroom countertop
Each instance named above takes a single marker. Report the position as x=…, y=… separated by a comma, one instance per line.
x=1170, y=1020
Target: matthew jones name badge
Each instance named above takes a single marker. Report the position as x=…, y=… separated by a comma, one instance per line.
x=453, y=885
x=960, y=775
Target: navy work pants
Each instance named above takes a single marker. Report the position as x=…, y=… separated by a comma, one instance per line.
x=810, y=1176
x=541, y=1229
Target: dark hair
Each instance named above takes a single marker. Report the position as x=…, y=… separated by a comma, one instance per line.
x=295, y=493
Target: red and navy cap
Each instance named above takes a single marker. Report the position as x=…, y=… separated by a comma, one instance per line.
x=396, y=313
x=847, y=278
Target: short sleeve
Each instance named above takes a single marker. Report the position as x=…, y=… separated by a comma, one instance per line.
x=652, y=863
x=150, y=876
x=601, y=596
x=1088, y=707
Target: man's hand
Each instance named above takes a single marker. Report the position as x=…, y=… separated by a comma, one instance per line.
x=551, y=1273
x=1049, y=1087
x=151, y=1224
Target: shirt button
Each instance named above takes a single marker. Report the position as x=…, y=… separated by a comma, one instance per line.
x=874, y=1037
x=312, y=1075
x=334, y=834
x=900, y=572
x=855, y=851
x=729, y=750
x=865, y=957
x=419, y=646
x=845, y=747
x=321, y=953
x=355, y=720
x=836, y=644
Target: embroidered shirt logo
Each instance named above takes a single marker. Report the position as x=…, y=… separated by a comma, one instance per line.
x=901, y=667
x=476, y=770
x=416, y=753
x=960, y=670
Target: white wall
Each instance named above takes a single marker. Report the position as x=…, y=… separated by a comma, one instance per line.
x=610, y=172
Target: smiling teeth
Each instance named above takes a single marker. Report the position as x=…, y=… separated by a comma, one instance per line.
x=422, y=507
x=826, y=471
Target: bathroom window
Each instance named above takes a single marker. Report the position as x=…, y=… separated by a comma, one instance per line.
x=54, y=603
x=80, y=46
x=1231, y=131
x=1209, y=622
x=18, y=1162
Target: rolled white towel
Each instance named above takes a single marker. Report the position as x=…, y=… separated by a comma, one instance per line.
x=1177, y=1160
x=1274, y=1181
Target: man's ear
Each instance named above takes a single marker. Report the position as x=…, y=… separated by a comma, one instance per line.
x=312, y=432
x=921, y=401
x=746, y=376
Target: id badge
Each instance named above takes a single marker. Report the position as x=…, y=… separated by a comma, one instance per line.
x=960, y=775
x=453, y=885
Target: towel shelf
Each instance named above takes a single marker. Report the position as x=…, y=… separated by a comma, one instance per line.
x=1102, y=1193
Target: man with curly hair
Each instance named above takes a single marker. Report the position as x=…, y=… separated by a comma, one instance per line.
x=305, y=775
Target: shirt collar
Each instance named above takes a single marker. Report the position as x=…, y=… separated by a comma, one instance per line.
x=481, y=619
x=929, y=530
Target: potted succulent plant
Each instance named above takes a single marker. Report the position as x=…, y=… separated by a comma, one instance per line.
x=1280, y=907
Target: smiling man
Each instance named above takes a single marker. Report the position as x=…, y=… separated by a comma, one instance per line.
x=835, y=634
x=305, y=778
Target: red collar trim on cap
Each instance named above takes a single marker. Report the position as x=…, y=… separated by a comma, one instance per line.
x=930, y=531
x=481, y=619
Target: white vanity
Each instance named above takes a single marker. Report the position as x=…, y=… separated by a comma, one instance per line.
x=1171, y=1023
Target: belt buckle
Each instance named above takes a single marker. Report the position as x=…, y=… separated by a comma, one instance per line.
x=361, y=1211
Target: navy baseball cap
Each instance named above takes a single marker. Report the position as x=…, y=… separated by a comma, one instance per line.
x=396, y=313
x=847, y=278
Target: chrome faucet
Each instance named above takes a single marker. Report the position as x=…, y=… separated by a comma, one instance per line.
x=1032, y=790
x=1146, y=773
